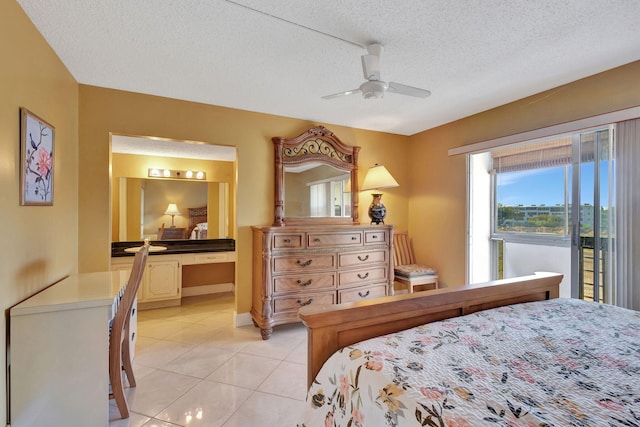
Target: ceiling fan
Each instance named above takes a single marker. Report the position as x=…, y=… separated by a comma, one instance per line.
x=373, y=87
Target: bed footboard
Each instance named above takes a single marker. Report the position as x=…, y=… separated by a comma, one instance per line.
x=333, y=327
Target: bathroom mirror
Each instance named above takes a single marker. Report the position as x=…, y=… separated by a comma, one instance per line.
x=316, y=179
x=141, y=196
x=142, y=203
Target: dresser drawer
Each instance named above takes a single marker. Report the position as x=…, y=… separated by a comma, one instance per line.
x=375, y=237
x=293, y=303
x=362, y=276
x=304, y=282
x=304, y=262
x=283, y=241
x=322, y=240
x=361, y=258
x=358, y=294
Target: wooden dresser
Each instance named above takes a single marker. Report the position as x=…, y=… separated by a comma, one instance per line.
x=297, y=266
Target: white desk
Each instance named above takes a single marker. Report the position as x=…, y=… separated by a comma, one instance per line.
x=59, y=352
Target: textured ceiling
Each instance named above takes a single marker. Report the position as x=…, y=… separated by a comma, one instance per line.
x=170, y=148
x=471, y=54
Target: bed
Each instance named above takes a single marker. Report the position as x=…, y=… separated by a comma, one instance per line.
x=198, y=226
x=504, y=353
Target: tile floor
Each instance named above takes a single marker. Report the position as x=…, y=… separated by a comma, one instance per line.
x=194, y=368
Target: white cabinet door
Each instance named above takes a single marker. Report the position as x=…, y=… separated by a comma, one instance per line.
x=161, y=280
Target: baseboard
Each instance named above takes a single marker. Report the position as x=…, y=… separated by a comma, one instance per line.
x=193, y=291
x=243, y=319
x=158, y=304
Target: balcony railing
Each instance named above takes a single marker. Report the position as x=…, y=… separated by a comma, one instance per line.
x=588, y=271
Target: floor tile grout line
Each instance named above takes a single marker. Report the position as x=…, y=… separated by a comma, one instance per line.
x=198, y=320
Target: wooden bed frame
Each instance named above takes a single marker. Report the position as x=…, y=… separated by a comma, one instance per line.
x=196, y=216
x=332, y=327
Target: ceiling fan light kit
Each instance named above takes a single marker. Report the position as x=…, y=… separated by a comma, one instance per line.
x=373, y=87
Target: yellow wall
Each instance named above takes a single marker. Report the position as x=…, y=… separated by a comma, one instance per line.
x=104, y=110
x=51, y=242
x=39, y=242
x=437, y=202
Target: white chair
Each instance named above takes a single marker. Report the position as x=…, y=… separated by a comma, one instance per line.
x=405, y=269
x=119, y=351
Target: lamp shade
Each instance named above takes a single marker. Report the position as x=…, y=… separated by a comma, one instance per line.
x=377, y=178
x=172, y=209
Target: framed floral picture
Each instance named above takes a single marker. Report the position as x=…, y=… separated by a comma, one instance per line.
x=37, y=139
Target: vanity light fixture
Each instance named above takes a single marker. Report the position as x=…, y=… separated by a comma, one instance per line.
x=176, y=174
x=378, y=178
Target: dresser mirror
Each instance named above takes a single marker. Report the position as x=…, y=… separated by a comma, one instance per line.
x=316, y=179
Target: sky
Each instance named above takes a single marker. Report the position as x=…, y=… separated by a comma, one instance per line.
x=545, y=186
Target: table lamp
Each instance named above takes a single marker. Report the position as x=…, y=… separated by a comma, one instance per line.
x=172, y=210
x=378, y=178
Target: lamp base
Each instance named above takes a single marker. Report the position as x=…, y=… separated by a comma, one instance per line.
x=377, y=210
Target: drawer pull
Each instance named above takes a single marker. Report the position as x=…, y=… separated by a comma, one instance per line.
x=375, y=236
x=366, y=294
x=304, y=264
x=317, y=240
x=287, y=240
x=354, y=238
x=363, y=259
x=307, y=283
x=365, y=275
x=302, y=304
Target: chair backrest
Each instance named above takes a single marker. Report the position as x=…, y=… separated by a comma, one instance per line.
x=402, y=253
x=125, y=306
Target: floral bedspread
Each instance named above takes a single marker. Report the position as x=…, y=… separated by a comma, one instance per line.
x=562, y=362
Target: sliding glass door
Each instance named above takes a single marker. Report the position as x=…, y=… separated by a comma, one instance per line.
x=593, y=217
x=539, y=207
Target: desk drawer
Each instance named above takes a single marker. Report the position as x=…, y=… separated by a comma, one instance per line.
x=211, y=258
x=304, y=282
x=362, y=276
x=293, y=303
x=361, y=258
x=304, y=262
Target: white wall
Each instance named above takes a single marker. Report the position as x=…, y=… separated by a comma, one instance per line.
x=479, y=257
x=521, y=259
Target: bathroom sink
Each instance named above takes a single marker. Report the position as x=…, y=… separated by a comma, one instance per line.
x=152, y=248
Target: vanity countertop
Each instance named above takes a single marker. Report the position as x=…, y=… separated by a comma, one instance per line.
x=119, y=249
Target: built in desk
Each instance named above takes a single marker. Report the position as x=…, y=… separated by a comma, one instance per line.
x=58, y=354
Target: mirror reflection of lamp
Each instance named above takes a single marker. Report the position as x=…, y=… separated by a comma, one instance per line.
x=172, y=210
x=378, y=178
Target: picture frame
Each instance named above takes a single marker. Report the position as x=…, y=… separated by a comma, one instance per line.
x=37, y=143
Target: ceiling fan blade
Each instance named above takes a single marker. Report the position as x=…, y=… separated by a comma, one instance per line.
x=407, y=90
x=340, y=94
x=371, y=67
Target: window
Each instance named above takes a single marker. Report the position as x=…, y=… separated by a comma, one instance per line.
x=532, y=191
x=329, y=197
